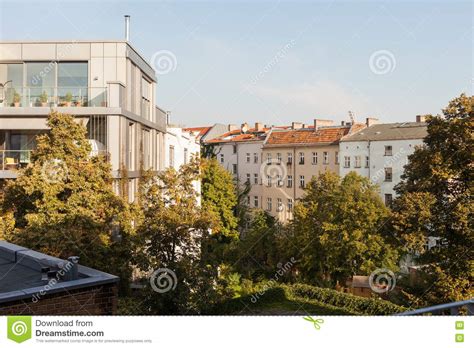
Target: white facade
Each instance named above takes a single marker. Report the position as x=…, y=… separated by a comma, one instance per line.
x=244, y=160
x=382, y=160
x=181, y=146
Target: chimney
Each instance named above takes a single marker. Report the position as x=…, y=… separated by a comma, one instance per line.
x=370, y=121
x=127, y=28
x=232, y=127
x=258, y=126
x=244, y=127
x=420, y=118
x=321, y=123
x=296, y=125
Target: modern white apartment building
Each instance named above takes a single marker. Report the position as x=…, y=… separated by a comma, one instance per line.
x=381, y=151
x=181, y=147
x=106, y=84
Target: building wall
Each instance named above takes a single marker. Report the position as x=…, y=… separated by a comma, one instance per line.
x=286, y=194
x=98, y=300
x=378, y=161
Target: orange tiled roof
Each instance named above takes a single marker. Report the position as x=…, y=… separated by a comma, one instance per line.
x=200, y=130
x=326, y=135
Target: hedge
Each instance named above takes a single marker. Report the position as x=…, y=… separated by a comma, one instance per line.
x=349, y=302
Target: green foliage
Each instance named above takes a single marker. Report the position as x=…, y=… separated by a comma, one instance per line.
x=170, y=234
x=43, y=97
x=219, y=198
x=68, y=97
x=436, y=200
x=337, y=230
x=16, y=96
x=63, y=204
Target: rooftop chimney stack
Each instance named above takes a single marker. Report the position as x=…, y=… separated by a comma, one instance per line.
x=420, y=118
x=370, y=121
x=127, y=28
x=296, y=125
x=258, y=126
x=321, y=123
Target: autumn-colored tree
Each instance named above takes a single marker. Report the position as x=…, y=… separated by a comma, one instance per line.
x=436, y=201
x=63, y=203
x=337, y=230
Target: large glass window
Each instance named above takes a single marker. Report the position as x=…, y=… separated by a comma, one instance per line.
x=72, y=82
x=13, y=91
x=40, y=80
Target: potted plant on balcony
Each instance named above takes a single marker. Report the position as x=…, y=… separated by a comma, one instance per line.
x=16, y=98
x=68, y=99
x=78, y=102
x=44, y=99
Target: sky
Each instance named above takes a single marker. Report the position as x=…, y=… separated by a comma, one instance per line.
x=277, y=61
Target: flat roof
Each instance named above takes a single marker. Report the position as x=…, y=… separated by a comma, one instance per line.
x=21, y=274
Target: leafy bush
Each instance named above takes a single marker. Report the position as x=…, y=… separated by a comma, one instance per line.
x=355, y=304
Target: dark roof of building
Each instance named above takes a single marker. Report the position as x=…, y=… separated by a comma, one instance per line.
x=390, y=131
x=21, y=271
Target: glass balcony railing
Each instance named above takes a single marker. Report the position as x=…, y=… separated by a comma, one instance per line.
x=53, y=96
x=14, y=159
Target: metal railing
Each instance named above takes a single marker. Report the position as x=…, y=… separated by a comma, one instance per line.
x=14, y=159
x=453, y=308
x=53, y=96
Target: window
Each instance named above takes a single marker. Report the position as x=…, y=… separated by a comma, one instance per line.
x=269, y=203
x=247, y=157
x=255, y=179
x=40, y=77
x=234, y=168
x=302, y=181
x=325, y=157
x=289, y=158
x=248, y=201
x=279, y=180
x=367, y=162
x=255, y=157
x=185, y=155
x=279, y=204
x=388, y=150
x=248, y=178
x=269, y=158
x=146, y=148
x=336, y=157
x=255, y=201
x=234, y=148
x=131, y=146
x=314, y=157
x=171, y=155
x=301, y=157
x=388, y=199
x=290, y=204
x=269, y=181
x=388, y=174
x=347, y=162
x=73, y=78
x=145, y=101
x=279, y=158
x=290, y=180
x=357, y=161
x=221, y=158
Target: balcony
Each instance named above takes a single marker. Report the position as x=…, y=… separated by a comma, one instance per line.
x=14, y=159
x=53, y=97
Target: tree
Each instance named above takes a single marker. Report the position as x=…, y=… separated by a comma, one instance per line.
x=169, y=238
x=436, y=201
x=63, y=203
x=337, y=230
x=219, y=198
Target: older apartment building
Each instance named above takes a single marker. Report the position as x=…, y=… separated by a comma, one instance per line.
x=381, y=151
x=293, y=156
x=106, y=84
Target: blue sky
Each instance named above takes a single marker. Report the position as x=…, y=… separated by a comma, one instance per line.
x=278, y=61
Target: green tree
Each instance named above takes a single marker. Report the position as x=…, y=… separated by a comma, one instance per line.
x=219, y=198
x=170, y=236
x=337, y=230
x=63, y=203
x=436, y=200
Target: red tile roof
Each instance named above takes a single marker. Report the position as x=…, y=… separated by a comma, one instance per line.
x=200, y=130
x=326, y=135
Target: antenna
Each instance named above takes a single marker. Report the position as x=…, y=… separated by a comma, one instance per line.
x=352, y=117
